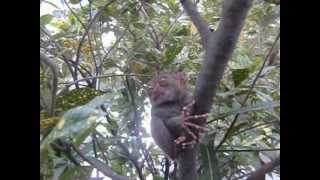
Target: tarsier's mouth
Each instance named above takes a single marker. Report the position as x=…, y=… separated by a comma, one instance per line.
x=156, y=96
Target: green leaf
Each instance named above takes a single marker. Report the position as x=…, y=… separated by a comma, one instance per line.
x=239, y=75
x=78, y=122
x=74, y=1
x=256, y=107
x=58, y=171
x=238, y=127
x=76, y=97
x=181, y=31
x=172, y=51
x=45, y=19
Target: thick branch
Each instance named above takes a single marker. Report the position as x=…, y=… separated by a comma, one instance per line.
x=219, y=49
x=54, y=70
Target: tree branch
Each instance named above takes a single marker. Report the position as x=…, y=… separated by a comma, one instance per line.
x=107, y=171
x=170, y=27
x=228, y=133
x=109, y=51
x=104, y=76
x=94, y=136
x=247, y=150
x=167, y=168
x=86, y=33
x=198, y=21
x=256, y=126
x=133, y=159
x=54, y=70
x=127, y=153
x=219, y=52
x=153, y=33
x=219, y=48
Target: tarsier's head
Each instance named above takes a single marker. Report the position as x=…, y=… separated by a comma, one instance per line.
x=167, y=87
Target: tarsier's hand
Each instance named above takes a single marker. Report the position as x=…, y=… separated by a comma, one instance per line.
x=186, y=124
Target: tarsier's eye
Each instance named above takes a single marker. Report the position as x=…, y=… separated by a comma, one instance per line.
x=163, y=82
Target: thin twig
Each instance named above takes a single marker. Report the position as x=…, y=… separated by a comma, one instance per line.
x=105, y=76
x=247, y=150
x=99, y=146
x=75, y=15
x=109, y=51
x=86, y=33
x=64, y=58
x=171, y=27
x=153, y=32
x=253, y=127
x=228, y=133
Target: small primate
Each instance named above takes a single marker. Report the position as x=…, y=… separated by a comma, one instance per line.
x=171, y=122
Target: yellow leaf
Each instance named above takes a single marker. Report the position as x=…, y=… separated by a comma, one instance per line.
x=136, y=66
x=49, y=122
x=193, y=28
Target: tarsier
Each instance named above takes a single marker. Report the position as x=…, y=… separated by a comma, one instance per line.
x=172, y=105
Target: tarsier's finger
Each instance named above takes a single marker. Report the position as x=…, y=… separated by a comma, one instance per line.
x=200, y=136
x=189, y=144
x=189, y=105
x=190, y=132
x=196, y=126
x=186, y=109
x=180, y=139
x=196, y=117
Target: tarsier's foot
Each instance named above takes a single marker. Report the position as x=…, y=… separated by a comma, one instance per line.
x=200, y=129
x=180, y=139
x=189, y=144
x=185, y=145
x=186, y=124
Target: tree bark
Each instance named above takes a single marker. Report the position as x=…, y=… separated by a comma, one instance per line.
x=219, y=46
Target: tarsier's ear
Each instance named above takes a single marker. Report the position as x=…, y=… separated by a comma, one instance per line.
x=181, y=77
x=150, y=86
